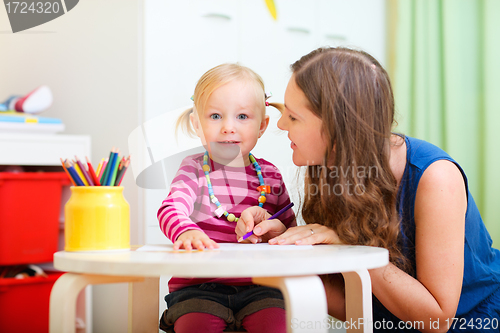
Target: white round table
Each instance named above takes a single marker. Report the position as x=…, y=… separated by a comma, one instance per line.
x=292, y=269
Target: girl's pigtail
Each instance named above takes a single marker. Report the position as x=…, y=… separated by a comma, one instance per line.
x=279, y=106
x=184, y=122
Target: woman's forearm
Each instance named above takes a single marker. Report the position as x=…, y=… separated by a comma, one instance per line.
x=409, y=300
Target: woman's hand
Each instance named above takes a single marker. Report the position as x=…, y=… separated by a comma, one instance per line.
x=256, y=219
x=194, y=239
x=306, y=235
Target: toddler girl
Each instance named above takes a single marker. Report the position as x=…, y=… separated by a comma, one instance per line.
x=207, y=197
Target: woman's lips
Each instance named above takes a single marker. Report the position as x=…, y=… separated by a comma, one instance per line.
x=293, y=145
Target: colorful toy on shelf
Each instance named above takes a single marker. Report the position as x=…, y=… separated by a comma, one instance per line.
x=36, y=101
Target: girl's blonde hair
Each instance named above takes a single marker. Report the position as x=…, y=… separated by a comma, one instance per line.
x=211, y=81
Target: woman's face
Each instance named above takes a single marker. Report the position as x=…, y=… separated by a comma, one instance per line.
x=303, y=127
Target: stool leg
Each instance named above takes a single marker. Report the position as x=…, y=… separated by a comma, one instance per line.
x=305, y=301
x=143, y=304
x=358, y=301
x=65, y=292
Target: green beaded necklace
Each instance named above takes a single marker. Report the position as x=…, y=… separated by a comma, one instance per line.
x=263, y=189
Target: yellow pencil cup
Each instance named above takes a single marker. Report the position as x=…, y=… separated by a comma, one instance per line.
x=97, y=218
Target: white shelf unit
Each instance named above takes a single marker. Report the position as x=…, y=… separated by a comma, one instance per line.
x=45, y=150
x=41, y=149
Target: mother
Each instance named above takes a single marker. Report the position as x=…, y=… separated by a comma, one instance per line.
x=366, y=185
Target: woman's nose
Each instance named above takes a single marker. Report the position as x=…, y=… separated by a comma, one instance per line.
x=281, y=123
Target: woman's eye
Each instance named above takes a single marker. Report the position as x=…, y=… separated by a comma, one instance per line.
x=215, y=116
x=242, y=116
x=291, y=118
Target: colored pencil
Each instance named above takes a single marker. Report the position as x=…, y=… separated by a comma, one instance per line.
x=67, y=172
x=102, y=167
x=112, y=169
x=281, y=211
x=109, y=172
x=92, y=172
x=122, y=162
x=120, y=170
x=74, y=174
x=99, y=166
x=80, y=173
x=121, y=173
x=84, y=171
x=106, y=169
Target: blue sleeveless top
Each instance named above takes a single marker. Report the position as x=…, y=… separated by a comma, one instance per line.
x=481, y=262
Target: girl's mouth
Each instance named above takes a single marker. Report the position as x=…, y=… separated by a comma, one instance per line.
x=229, y=142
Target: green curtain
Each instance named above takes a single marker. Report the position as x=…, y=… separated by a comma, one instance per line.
x=444, y=61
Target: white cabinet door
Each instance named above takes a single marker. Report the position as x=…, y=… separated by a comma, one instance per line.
x=353, y=23
x=260, y=38
x=334, y=22
x=297, y=19
x=182, y=40
x=267, y=48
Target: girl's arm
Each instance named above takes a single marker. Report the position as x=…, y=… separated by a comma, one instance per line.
x=440, y=206
x=175, y=211
x=194, y=239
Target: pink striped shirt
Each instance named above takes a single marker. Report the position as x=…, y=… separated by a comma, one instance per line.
x=188, y=205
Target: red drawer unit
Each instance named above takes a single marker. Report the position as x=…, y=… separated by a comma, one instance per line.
x=25, y=303
x=30, y=203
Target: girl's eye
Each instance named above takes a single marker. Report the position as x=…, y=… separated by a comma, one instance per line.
x=215, y=116
x=291, y=118
x=242, y=116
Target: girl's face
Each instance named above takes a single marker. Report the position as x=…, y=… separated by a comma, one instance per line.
x=303, y=127
x=232, y=122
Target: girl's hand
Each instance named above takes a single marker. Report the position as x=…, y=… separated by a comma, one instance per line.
x=194, y=239
x=256, y=219
x=306, y=235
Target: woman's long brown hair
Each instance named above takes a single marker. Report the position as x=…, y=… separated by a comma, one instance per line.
x=356, y=194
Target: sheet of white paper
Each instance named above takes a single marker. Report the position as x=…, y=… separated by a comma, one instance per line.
x=232, y=247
